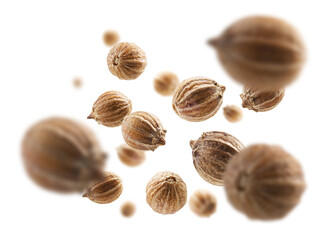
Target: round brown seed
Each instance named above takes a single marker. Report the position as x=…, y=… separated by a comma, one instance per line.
x=166, y=193
x=264, y=182
x=233, y=113
x=165, y=83
x=110, y=109
x=130, y=156
x=127, y=209
x=203, y=203
x=110, y=38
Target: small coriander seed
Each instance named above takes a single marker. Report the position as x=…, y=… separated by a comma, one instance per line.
x=165, y=83
x=128, y=209
x=130, y=156
x=110, y=38
x=203, y=203
x=233, y=113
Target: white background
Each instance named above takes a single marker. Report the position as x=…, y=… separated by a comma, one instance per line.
x=45, y=44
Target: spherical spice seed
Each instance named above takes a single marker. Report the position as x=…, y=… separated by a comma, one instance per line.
x=106, y=189
x=211, y=154
x=261, y=100
x=110, y=38
x=110, y=109
x=260, y=51
x=233, y=113
x=130, y=156
x=77, y=82
x=61, y=154
x=128, y=209
x=143, y=131
x=165, y=83
x=264, y=182
x=203, y=203
x=126, y=61
x=197, y=99
x=166, y=193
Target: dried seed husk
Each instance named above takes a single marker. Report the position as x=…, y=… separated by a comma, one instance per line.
x=106, y=189
x=128, y=209
x=166, y=193
x=165, y=83
x=130, y=156
x=143, y=131
x=197, y=99
x=233, y=113
x=62, y=155
x=261, y=100
x=211, y=154
x=126, y=61
x=110, y=109
x=203, y=203
x=110, y=38
x=264, y=182
x=260, y=51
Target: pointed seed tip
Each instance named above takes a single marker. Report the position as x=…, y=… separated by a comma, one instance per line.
x=90, y=116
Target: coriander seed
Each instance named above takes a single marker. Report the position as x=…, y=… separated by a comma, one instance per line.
x=165, y=83
x=130, y=156
x=128, y=209
x=233, y=113
x=110, y=38
x=203, y=203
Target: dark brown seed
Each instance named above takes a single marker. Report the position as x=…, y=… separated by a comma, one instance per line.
x=61, y=154
x=211, y=154
x=264, y=182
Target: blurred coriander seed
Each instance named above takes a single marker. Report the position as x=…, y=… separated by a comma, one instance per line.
x=233, y=113
x=128, y=209
x=106, y=189
x=126, y=61
x=197, y=99
x=166, y=193
x=264, y=182
x=130, y=156
x=110, y=109
x=203, y=203
x=165, y=83
x=110, y=38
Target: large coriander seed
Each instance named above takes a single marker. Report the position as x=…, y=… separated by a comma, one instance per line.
x=261, y=100
x=197, y=99
x=110, y=109
x=130, y=156
x=106, y=189
x=166, y=193
x=62, y=155
x=165, y=83
x=261, y=52
x=143, y=131
x=203, y=203
x=126, y=61
x=211, y=154
x=264, y=182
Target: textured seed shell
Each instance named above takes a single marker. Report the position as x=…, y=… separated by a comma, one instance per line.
x=233, y=113
x=130, y=156
x=110, y=109
x=165, y=83
x=166, y=193
x=110, y=38
x=203, y=203
x=211, y=154
x=143, y=131
x=127, y=209
x=264, y=182
x=197, y=99
x=261, y=100
x=261, y=52
x=106, y=189
x=127, y=61
x=61, y=154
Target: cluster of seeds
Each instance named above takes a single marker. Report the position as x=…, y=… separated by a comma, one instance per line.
x=262, y=181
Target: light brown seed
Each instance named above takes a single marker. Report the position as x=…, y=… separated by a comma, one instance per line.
x=110, y=109
x=261, y=51
x=166, y=193
x=61, y=154
x=127, y=61
x=77, y=82
x=260, y=100
x=130, y=156
x=197, y=99
x=143, y=131
x=264, y=182
x=211, y=154
x=203, y=203
x=110, y=38
x=106, y=189
x=165, y=83
x=128, y=209
x=233, y=113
